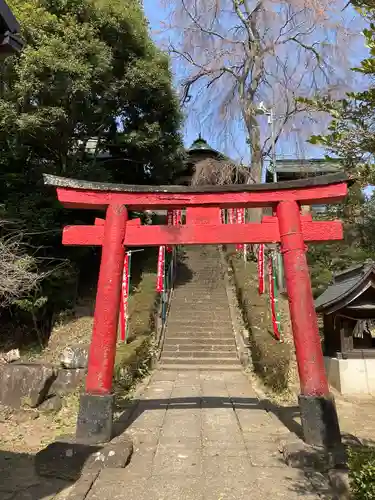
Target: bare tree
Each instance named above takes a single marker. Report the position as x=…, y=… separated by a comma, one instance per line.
x=219, y=172
x=18, y=270
x=232, y=54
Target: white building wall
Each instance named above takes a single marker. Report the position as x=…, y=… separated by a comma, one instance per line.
x=351, y=376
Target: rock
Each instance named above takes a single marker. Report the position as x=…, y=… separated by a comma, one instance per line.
x=10, y=356
x=302, y=456
x=339, y=480
x=64, y=459
x=25, y=385
x=52, y=404
x=112, y=455
x=75, y=357
x=68, y=459
x=67, y=380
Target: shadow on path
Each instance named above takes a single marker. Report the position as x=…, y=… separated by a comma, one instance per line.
x=19, y=480
x=285, y=415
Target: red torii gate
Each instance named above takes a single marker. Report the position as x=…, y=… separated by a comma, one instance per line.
x=203, y=227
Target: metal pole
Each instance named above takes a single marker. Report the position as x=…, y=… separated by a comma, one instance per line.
x=273, y=145
x=280, y=271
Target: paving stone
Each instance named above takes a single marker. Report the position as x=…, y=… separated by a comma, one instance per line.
x=175, y=488
x=220, y=465
x=187, y=429
x=186, y=391
x=180, y=442
x=174, y=460
x=144, y=437
x=264, y=453
x=106, y=488
x=226, y=449
x=149, y=420
x=228, y=489
x=280, y=482
x=228, y=436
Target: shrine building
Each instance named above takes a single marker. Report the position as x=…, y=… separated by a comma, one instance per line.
x=348, y=310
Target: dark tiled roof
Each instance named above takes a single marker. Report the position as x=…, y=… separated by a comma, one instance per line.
x=344, y=284
x=53, y=180
x=201, y=145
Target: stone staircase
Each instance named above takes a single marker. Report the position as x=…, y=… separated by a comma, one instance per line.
x=199, y=332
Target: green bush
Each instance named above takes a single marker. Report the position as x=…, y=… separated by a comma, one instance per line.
x=362, y=473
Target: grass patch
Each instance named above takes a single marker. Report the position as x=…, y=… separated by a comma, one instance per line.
x=271, y=359
x=143, y=305
x=133, y=359
x=362, y=472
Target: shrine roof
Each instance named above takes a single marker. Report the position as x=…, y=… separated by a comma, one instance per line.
x=200, y=145
x=323, y=180
x=10, y=42
x=346, y=286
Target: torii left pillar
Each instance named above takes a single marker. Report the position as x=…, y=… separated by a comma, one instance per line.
x=96, y=404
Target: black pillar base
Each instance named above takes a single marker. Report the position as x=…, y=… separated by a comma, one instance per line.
x=319, y=420
x=95, y=417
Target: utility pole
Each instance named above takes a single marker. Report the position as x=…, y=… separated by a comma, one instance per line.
x=262, y=110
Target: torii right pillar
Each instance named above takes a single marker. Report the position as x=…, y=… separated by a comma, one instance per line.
x=318, y=411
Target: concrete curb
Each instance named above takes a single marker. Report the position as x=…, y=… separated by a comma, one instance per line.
x=82, y=487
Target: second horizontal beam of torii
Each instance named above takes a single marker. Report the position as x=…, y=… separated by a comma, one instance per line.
x=205, y=234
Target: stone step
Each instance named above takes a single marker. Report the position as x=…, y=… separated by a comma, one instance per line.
x=216, y=285
x=170, y=335
x=211, y=347
x=204, y=305
x=199, y=342
x=200, y=361
x=199, y=328
x=180, y=331
x=199, y=354
x=187, y=295
x=194, y=318
x=205, y=368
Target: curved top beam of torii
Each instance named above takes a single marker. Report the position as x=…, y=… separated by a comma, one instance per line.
x=75, y=193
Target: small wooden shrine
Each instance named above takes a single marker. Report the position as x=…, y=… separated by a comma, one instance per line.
x=348, y=310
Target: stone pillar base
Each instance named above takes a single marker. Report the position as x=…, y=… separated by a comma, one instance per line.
x=319, y=420
x=95, y=418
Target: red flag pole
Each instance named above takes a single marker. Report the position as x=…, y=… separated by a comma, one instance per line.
x=240, y=220
x=124, y=298
x=272, y=299
x=160, y=275
x=261, y=269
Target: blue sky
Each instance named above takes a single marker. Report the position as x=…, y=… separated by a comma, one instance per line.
x=193, y=126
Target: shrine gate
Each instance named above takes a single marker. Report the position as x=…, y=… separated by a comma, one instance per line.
x=203, y=227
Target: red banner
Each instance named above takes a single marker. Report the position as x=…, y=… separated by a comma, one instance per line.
x=170, y=222
x=230, y=215
x=160, y=275
x=272, y=299
x=261, y=269
x=222, y=213
x=240, y=220
x=177, y=215
x=124, y=299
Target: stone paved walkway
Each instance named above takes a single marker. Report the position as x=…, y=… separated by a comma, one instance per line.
x=202, y=435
